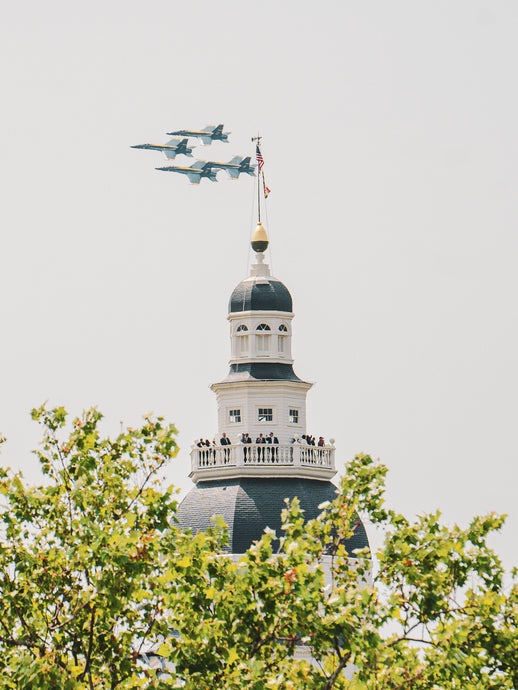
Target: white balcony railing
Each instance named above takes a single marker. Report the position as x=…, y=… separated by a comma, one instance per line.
x=242, y=459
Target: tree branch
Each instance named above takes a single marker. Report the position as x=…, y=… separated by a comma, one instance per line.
x=89, y=653
x=11, y=642
x=343, y=661
x=151, y=472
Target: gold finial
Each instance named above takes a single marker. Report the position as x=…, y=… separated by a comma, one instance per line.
x=259, y=239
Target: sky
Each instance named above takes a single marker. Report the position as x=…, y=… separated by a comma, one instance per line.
x=390, y=145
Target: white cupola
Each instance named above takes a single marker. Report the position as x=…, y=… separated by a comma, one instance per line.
x=262, y=396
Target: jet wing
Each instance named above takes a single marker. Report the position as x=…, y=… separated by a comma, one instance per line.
x=222, y=166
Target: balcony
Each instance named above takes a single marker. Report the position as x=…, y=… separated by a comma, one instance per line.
x=263, y=460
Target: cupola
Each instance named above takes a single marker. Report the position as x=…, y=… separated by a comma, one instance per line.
x=262, y=397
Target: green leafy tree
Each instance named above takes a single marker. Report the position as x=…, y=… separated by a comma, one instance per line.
x=77, y=555
x=96, y=578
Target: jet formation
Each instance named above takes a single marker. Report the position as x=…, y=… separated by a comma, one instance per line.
x=200, y=168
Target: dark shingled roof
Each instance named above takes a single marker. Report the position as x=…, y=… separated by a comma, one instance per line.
x=249, y=505
x=262, y=371
x=260, y=294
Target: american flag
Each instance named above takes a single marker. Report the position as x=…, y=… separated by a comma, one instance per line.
x=259, y=157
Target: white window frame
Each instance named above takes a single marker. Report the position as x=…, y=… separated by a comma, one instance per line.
x=264, y=409
x=262, y=343
x=242, y=344
x=231, y=418
x=297, y=413
x=282, y=343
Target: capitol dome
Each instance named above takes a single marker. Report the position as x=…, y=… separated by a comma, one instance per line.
x=260, y=293
x=262, y=454
x=250, y=505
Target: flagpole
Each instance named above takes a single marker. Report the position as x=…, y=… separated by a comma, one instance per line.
x=258, y=198
x=258, y=140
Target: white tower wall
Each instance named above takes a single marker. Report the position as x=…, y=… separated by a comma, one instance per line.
x=285, y=399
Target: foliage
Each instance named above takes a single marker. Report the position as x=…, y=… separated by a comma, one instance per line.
x=96, y=576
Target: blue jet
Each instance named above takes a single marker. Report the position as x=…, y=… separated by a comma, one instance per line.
x=197, y=170
x=173, y=148
x=207, y=135
x=236, y=166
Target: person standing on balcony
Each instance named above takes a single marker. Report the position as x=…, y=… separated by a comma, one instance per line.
x=260, y=451
x=245, y=439
x=268, y=452
x=274, y=452
x=225, y=441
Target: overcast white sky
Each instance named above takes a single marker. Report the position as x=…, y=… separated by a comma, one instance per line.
x=391, y=148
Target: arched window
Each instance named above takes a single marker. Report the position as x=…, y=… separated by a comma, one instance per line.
x=242, y=340
x=282, y=339
x=262, y=341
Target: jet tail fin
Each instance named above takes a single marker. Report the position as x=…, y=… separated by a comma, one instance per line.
x=183, y=148
x=179, y=146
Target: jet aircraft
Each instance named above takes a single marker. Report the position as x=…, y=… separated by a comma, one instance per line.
x=236, y=166
x=173, y=148
x=207, y=134
x=195, y=172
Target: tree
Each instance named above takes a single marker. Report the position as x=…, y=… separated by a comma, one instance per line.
x=95, y=573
